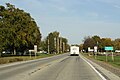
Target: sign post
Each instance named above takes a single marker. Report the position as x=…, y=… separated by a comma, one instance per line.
x=95, y=51
x=112, y=57
x=35, y=49
x=109, y=49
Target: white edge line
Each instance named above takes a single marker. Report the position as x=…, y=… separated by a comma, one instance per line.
x=95, y=69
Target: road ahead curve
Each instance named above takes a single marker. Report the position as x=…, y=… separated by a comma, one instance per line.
x=62, y=67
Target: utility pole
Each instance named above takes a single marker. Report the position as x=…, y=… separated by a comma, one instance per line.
x=58, y=45
x=48, y=47
x=63, y=47
x=55, y=44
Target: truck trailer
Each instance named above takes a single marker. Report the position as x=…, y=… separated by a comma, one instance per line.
x=74, y=51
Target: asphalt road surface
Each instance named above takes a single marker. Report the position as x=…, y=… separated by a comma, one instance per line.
x=61, y=67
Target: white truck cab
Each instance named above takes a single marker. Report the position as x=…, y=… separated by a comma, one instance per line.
x=74, y=50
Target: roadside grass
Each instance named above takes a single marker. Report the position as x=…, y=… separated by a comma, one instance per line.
x=4, y=60
x=42, y=55
x=115, y=63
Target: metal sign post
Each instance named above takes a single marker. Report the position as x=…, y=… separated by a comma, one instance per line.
x=112, y=57
x=106, y=56
x=109, y=49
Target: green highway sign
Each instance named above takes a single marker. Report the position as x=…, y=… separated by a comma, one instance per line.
x=109, y=48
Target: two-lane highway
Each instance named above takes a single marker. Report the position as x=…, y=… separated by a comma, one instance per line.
x=70, y=68
x=23, y=69
x=61, y=67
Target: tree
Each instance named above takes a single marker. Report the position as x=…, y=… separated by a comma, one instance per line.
x=65, y=44
x=19, y=30
x=55, y=34
x=96, y=39
x=55, y=44
x=56, y=41
x=81, y=46
x=106, y=42
x=88, y=42
x=116, y=44
x=43, y=45
x=51, y=43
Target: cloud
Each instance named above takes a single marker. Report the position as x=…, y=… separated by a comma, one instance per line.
x=56, y=5
x=93, y=14
x=59, y=8
x=106, y=1
x=117, y=6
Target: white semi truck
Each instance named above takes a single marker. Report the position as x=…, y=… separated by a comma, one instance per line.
x=74, y=50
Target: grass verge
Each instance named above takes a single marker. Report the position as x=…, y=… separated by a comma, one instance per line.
x=5, y=60
x=102, y=58
x=115, y=63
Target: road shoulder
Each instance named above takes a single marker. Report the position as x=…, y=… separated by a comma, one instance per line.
x=105, y=73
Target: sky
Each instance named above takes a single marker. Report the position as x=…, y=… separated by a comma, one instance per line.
x=74, y=19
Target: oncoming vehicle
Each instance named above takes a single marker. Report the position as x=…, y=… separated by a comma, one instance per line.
x=74, y=51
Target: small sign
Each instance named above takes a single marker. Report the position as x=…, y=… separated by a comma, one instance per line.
x=35, y=48
x=109, y=48
x=95, y=48
x=90, y=50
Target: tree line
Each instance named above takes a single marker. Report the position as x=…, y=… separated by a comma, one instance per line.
x=101, y=43
x=54, y=43
x=19, y=33
x=18, y=30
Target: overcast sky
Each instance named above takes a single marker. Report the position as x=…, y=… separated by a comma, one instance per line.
x=74, y=19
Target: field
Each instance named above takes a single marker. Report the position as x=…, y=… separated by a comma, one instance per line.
x=4, y=60
x=115, y=63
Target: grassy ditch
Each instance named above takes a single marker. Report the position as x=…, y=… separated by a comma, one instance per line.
x=115, y=63
x=4, y=60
